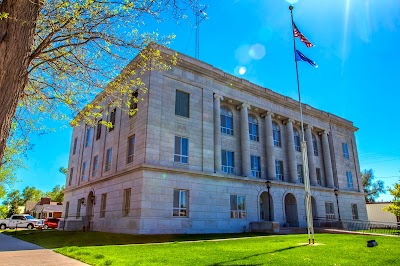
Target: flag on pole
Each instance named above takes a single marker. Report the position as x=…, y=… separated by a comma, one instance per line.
x=303, y=38
x=301, y=57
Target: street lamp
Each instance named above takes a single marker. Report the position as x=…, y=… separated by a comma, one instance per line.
x=269, y=200
x=336, y=191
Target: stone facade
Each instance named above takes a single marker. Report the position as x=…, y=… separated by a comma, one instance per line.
x=97, y=199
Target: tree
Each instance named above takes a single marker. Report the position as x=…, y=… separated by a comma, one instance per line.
x=31, y=193
x=3, y=212
x=55, y=55
x=57, y=194
x=13, y=200
x=394, y=207
x=372, y=189
x=63, y=170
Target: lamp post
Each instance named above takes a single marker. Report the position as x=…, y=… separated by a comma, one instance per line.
x=269, y=200
x=336, y=191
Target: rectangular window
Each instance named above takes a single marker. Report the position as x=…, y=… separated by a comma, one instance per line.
x=315, y=147
x=95, y=165
x=83, y=178
x=255, y=166
x=319, y=177
x=330, y=212
x=279, y=170
x=66, y=210
x=180, y=204
x=133, y=103
x=181, y=150
x=103, y=205
x=182, y=103
x=349, y=179
x=131, y=149
x=107, y=166
x=126, y=206
x=112, y=119
x=300, y=174
x=98, y=129
x=354, y=211
x=88, y=136
x=74, y=147
x=227, y=161
x=238, y=206
x=78, y=208
x=71, y=173
x=345, y=151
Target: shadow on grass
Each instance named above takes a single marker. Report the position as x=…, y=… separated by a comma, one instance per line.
x=255, y=255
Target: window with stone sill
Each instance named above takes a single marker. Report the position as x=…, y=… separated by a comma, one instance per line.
x=319, y=177
x=300, y=174
x=255, y=166
x=66, y=210
x=181, y=154
x=276, y=133
x=296, y=137
x=180, y=204
x=349, y=179
x=112, y=119
x=227, y=161
x=74, y=146
x=78, y=208
x=98, y=129
x=253, y=128
x=95, y=165
x=126, y=205
x=279, y=170
x=103, y=205
x=182, y=103
x=226, y=121
x=88, y=136
x=71, y=174
x=107, y=166
x=83, y=177
x=133, y=104
x=238, y=206
x=315, y=146
x=329, y=210
x=131, y=149
x=354, y=211
x=345, y=151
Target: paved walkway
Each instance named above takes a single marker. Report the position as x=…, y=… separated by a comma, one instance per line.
x=14, y=251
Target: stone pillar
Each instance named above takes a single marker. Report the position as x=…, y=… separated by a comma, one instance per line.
x=217, y=133
x=291, y=152
x=310, y=155
x=245, y=139
x=271, y=172
x=327, y=160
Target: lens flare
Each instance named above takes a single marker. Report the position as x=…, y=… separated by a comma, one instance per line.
x=257, y=51
x=240, y=70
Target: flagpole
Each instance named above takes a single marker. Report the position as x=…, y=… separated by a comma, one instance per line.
x=310, y=227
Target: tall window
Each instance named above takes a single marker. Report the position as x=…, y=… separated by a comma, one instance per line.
x=107, y=166
x=78, y=208
x=131, y=149
x=126, y=206
x=83, y=171
x=276, y=133
x=103, y=205
x=349, y=179
x=181, y=150
x=296, y=140
x=112, y=119
x=345, y=151
x=98, y=129
x=95, y=165
x=74, y=146
x=227, y=161
x=315, y=146
x=66, y=210
x=300, y=176
x=354, y=211
x=133, y=103
x=319, y=177
x=279, y=170
x=330, y=212
x=253, y=128
x=238, y=206
x=182, y=103
x=88, y=136
x=180, y=204
x=255, y=166
x=71, y=173
x=226, y=121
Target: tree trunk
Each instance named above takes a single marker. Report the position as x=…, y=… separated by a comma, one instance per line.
x=16, y=39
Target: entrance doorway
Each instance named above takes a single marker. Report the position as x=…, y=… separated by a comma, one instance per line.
x=291, y=210
x=266, y=207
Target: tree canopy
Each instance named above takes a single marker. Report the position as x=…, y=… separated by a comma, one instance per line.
x=372, y=189
x=394, y=207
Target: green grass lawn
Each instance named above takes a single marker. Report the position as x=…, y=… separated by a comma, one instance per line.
x=263, y=250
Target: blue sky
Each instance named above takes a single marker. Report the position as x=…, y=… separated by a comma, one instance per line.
x=355, y=48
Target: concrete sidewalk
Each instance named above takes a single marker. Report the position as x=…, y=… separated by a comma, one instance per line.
x=14, y=251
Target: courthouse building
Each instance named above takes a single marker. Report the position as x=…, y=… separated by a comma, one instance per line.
x=197, y=155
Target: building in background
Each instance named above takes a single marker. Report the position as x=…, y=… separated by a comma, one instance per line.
x=377, y=214
x=196, y=156
x=45, y=208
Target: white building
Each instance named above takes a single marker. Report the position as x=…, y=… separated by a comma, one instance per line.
x=196, y=156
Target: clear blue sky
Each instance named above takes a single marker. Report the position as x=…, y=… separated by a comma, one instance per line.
x=356, y=48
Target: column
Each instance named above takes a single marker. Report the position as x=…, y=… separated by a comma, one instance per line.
x=217, y=133
x=291, y=152
x=271, y=172
x=327, y=160
x=244, y=139
x=310, y=151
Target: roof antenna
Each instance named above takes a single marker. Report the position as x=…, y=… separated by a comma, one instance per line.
x=200, y=16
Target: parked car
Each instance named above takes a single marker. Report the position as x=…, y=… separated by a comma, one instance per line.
x=20, y=221
x=51, y=223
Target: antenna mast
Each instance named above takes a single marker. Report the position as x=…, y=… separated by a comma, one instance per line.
x=200, y=16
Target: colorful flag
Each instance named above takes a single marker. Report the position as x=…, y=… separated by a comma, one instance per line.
x=303, y=38
x=301, y=57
